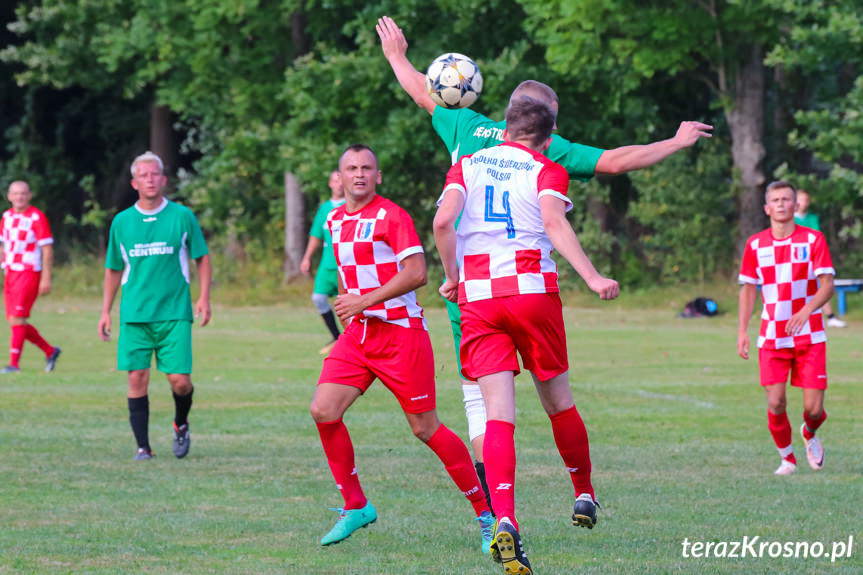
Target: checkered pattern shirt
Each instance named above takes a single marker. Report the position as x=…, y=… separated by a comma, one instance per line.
x=787, y=271
x=502, y=246
x=369, y=246
x=24, y=235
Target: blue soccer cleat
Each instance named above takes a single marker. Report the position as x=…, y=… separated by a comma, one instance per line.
x=349, y=521
x=486, y=526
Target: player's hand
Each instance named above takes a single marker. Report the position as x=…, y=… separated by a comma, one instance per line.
x=105, y=327
x=689, y=132
x=348, y=305
x=44, y=286
x=202, y=310
x=797, y=322
x=393, y=42
x=606, y=288
x=449, y=290
x=743, y=345
x=306, y=267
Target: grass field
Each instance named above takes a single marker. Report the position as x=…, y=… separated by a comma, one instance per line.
x=678, y=435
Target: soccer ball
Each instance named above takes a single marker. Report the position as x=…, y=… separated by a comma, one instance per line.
x=453, y=81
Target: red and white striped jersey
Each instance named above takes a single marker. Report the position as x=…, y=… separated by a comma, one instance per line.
x=502, y=247
x=787, y=271
x=24, y=235
x=369, y=246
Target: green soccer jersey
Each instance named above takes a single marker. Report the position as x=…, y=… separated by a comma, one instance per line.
x=322, y=232
x=465, y=132
x=153, y=248
x=810, y=220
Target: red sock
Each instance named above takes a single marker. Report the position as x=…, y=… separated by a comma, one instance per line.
x=340, y=455
x=812, y=425
x=16, y=344
x=780, y=429
x=498, y=451
x=570, y=435
x=34, y=336
x=456, y=459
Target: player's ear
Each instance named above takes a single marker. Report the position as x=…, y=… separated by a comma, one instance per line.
x=545, y=144
x=380, y=174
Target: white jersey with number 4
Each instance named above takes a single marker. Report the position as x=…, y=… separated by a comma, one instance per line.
x=503, y=248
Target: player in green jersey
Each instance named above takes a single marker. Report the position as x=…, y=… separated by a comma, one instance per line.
x=149, y=250
x=464, y=132
x=326, y=278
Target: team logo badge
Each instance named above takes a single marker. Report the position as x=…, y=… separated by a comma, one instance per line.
x=364, y=231
x=800, y=253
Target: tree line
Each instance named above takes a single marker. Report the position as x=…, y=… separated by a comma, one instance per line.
x=235, y=93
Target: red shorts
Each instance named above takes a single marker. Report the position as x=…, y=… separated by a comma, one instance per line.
x=492, y=330
x=808, y=366
x=401, y=357
x=20, y=290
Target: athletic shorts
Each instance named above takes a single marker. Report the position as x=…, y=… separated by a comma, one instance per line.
x=454, y=314
x=20, y=290
x=170, y=340
x=807, y=364
x=327, y=282
x=493, y=330
x=400, y=357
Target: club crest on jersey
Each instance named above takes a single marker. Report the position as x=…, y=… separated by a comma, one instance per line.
x=364, y=231
x=800, y=253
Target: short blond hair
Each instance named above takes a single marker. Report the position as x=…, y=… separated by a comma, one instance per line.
x=147, y=156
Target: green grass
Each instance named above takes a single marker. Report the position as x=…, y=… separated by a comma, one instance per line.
x=678, y=435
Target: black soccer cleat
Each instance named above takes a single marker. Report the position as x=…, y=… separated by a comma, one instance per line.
x=182, y=440
x=51, y=360
x=584, y=511
x=509, y=550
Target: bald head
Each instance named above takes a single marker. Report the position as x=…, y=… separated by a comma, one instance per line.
x=19, y=195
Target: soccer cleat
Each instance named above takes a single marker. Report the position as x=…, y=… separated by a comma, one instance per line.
x=51, y=360
x=182, y=441
x=814, y=451
x=486, y=526
x=584, y=511
x=836, y=322
x=349, y=521
x=10, y=369
x=144, y=453
x=508, y=549
x=785, y=468
x=327, y=348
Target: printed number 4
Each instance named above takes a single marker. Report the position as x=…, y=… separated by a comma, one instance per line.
x=505, y=216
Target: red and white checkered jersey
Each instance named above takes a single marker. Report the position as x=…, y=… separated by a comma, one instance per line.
x=502, y=246
x=369, y=246
x=24, y=235
x=787, y=271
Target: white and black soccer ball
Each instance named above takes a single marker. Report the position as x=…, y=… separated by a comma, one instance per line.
x=453, y=81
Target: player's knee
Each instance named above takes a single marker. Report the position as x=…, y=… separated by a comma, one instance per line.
x=776, y=404
x=322, y=413
x=321, y=302
x=181, y=384
x=423, y=429
x=813, y=411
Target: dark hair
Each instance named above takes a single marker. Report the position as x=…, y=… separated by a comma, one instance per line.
x=779, y=185
x=357, y=148
x=529, y=118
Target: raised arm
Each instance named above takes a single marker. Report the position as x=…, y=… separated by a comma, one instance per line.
x=395, y=47
x=628, y=158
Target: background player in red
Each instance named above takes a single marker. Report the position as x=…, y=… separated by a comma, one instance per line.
x=380, y=261
x=512, y=202
x=27, y=256
x=793, y=266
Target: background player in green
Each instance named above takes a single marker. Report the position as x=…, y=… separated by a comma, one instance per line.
x=326, y=278
x=148, y=254
x=465, y=131
x=803, y=217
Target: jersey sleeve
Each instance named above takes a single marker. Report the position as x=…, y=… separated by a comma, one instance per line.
x=553, y=180
x=402, y=234
x=822, y=264
x=578, y=160
x=454, y=180
x=114, y=256
x=320, y=222
x=453, y=125
x=42, y=229
x=197, y=243
x=749, y=264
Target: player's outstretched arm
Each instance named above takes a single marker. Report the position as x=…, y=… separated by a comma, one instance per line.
x=395, y=47
x=445, y=240
x=745, y=305
x=109, y=291
x=565, y=241
x=205, y=277
x=628, y=158
x=412, y=276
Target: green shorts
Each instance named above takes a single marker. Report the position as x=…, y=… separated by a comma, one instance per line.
x=327, y=282
x=454, y=314
x=171, y=340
